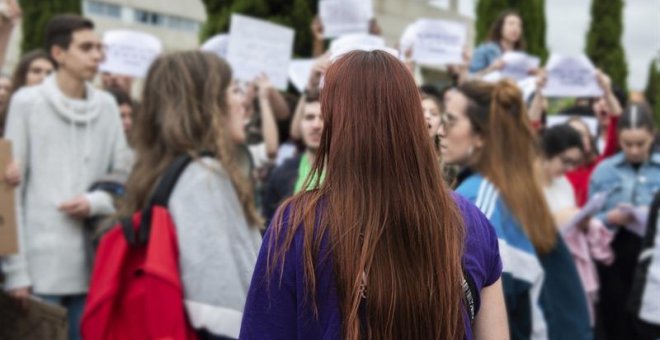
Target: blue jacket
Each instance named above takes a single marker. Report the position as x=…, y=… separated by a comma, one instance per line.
x=484, y=55
x=543, y=295
x=624, y=184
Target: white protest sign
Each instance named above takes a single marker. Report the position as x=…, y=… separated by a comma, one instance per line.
x=341, y=17
x=517, y=65
x=129, y=53
x=591, y=122
x=358, y=42
x=258, y=46
x=217, y=44
x=571, y=76
x=439, y=42
x=408, y=37
x=591, y=208
x=299, y=72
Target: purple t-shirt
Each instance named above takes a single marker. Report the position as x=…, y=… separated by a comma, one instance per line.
x=277, y=310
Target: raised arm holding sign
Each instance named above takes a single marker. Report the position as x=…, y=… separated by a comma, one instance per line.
x=571, y=76
x=258, y=46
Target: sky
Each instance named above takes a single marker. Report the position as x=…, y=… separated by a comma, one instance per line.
x=568, y=22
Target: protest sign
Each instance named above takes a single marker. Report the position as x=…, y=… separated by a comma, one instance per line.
x=559, y=119
x=129, y=53
x=358, y=42
x=258, y=46
x=299, y=72
x=38, y=320
x=439, y=42
x=8, y=228
x=217, y=44
x=571, y=76
x=517, y=65
x=341, y=17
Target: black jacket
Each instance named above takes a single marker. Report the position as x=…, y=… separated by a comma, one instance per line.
x=279, y=186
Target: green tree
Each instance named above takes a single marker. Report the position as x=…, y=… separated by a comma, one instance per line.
x=652, y=92
x=36, y=15
x=297, y=14
x=604, y=40
x=533, y=16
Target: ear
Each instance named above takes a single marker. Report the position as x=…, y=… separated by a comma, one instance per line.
x=58, y=53
x=478, y=140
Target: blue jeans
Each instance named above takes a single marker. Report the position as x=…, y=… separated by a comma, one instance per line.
x=74, y=305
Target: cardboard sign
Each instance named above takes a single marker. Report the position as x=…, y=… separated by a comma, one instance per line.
x=299, y=72
x=217, y=44
x=341, y=17
x=571, y=76
x=258, y=46
x=8, y=228
x=517, y=65
x=439, y=42
x=38, y=321
x=129, y=53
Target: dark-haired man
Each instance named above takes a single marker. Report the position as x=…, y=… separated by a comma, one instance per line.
x=65, y=135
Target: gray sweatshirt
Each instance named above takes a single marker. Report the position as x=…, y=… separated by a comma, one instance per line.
x=62, y=146
x=217, y=248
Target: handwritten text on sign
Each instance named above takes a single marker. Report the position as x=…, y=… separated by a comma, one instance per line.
x=439, y=42
x=257, y=46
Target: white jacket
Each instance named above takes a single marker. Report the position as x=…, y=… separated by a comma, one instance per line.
x=62, y=145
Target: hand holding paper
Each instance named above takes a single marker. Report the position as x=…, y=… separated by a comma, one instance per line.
x=636, y=218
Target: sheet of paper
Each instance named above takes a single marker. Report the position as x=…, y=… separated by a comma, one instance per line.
x=640, y=215
x=439, y=42
x=217, y=44
x=559, y=119
x=358, y=42
x=341, y=17
x=299, y=72
x=257, y=46
x=517, y=65
x=129, y=53
x=594, y=205
x=571, y=76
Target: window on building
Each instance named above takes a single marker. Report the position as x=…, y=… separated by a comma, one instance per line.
x=103, y=9
x=149, y=18
x=182, y=24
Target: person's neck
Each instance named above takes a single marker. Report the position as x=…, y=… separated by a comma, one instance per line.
x=311, y=155
x=506, y=45
x=70, y=86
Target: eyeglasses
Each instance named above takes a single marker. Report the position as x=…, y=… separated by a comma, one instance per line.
x=570, y=162
x=448, y=121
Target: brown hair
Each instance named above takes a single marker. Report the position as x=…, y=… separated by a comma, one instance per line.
x=508, y=157
x=495, y=32
x=387, y=214
x=184, y=111
x=19, y=78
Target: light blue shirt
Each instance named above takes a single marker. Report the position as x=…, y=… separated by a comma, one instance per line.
x=484, y=55
x=624, y=184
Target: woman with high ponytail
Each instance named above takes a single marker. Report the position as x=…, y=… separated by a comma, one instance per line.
x=486, y=132
x=382, y=249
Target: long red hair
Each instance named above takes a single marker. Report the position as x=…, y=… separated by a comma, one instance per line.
x=383, y=207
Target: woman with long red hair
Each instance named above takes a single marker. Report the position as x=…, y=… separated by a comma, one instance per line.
x=381, y=249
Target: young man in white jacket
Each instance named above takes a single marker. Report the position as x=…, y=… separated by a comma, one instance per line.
x=65, y=134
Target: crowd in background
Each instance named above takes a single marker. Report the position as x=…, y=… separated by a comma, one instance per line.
x=359, y=168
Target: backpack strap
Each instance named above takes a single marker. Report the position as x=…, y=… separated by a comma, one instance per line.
x=470, y=294
x=160, y=197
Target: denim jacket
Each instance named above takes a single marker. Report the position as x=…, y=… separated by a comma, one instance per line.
x=484, y=55
x=616, y=176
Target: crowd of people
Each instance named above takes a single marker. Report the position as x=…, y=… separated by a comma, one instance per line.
x=367, y=206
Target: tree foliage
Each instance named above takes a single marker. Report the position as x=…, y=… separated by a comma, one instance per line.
x=36, y=15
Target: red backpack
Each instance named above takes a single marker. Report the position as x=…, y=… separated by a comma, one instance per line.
x=136, y=290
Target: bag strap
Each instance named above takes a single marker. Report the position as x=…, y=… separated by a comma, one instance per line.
x=160, y=197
